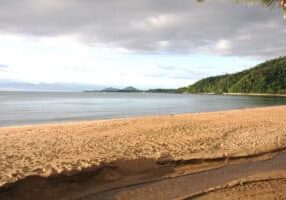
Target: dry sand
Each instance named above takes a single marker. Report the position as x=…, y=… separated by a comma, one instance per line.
x=68, y=148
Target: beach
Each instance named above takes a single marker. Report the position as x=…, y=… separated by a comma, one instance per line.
x=171, y=144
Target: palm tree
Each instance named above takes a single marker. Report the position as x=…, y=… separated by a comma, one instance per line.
x=264, y=2
x=283, y=3
x=267, y=3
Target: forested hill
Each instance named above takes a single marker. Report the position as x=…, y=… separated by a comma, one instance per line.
x=268, y=77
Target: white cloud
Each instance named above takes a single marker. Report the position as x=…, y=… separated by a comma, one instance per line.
x=223, y=47
x=124, y=42
x=162, y=21
x=65, y=60
x=163, y=44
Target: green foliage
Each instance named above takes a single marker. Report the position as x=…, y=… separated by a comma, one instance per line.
x=268, y=77
x=159, y=90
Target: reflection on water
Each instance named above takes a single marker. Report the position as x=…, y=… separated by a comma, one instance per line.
x=45, y=107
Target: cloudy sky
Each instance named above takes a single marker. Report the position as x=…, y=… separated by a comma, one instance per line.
x=143, y=43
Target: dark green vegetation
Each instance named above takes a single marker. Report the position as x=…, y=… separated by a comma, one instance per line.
x=163, y=90
x=268, y=77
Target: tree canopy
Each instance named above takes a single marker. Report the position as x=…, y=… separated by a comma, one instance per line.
x=268, y=77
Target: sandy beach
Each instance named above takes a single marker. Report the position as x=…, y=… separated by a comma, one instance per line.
x=136, y=144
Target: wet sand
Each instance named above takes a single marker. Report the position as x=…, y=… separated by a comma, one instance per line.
x=197, y=185
x=99, y=147
x=147, y=179
x=262, y=190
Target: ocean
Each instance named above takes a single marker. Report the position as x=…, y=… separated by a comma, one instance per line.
x=23, y=108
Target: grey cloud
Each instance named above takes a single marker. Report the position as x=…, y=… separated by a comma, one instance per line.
x=170, y=26
x=3, y=66
x=168, y=67
x=189, y=74
x=11, y=85
x=173, y=72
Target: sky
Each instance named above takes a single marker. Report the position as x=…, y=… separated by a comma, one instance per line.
x=143, y=43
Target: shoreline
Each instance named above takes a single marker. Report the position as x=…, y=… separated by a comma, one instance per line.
x=255, y=94
x=238, y=94
x=194, y=139
x=142, y=117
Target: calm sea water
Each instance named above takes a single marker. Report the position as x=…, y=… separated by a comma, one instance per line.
x=17, y=108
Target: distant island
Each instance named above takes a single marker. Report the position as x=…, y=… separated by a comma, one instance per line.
x=127, y=89
x=266, y=78
x=131, y=89
x=112, y=89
